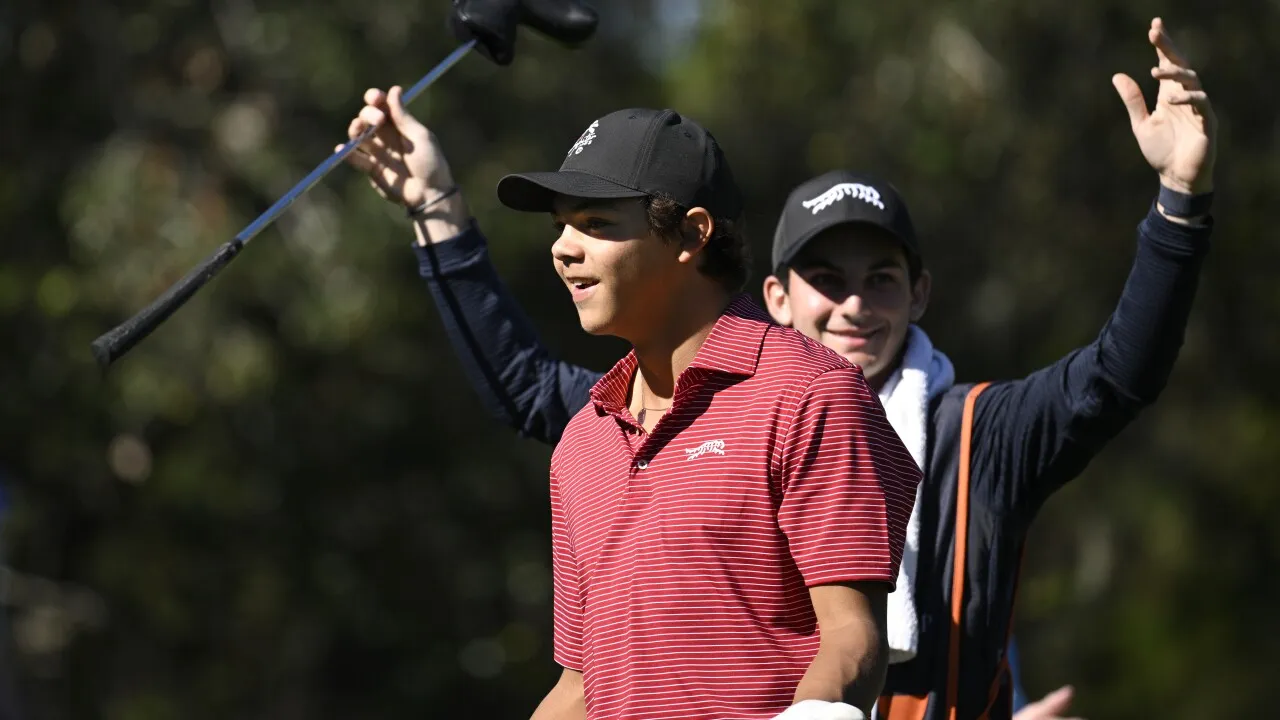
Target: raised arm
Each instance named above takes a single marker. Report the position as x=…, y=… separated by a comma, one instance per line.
x=516, y=377
x=1039, y=432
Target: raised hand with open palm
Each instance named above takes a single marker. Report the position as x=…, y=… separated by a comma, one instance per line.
x=1179, y=137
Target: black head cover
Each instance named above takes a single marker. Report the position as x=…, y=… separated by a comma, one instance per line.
x=492, y=23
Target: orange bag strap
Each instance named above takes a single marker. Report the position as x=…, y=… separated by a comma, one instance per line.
x=962, y=547
x=911, y=707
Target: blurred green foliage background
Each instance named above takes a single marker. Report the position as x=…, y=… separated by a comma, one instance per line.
x=287, y=502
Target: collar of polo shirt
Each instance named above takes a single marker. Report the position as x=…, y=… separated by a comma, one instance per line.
x=717, y=355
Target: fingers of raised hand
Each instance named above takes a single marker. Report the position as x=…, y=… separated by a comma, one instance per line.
x=387, y=179
x=369, y=117
x=356, y=127
x=1198, y=99
x=357, y=159
x=361, y=161
x=374, y=148
x=1166, y=51
x=1186, y=77
x=386, y=138
x=1131, y=95
x=391, y=103
x=372, y=116
x=395, y=103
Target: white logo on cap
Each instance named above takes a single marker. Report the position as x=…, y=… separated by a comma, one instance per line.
x=584, y=140
x=840, y=191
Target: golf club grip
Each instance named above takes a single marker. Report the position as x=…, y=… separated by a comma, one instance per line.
x=118, y=341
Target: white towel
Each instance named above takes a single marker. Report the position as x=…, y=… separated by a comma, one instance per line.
x=924, y=374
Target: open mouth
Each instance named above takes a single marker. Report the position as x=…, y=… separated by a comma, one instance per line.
x=581, y=288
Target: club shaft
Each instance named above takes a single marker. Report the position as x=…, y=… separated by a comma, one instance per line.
x=453, y=58
x=116, y=342
x=276, y=210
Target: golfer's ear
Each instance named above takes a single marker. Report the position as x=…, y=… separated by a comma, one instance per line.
x=776, y=300
x=695, y=232
x=920, y=295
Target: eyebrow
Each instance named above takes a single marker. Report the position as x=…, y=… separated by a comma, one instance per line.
x=888, y=263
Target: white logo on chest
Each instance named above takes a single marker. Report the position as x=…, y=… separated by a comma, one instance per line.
x=840, y=191
x=710, y=446
x=586, y=139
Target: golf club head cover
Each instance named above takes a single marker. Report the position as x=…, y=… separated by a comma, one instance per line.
x=566, y=21
x=493, y=23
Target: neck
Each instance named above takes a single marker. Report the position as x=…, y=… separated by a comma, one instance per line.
x=666, y=352
x=876, y=382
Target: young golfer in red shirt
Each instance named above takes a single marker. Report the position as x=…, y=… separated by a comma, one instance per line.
x=729, y=510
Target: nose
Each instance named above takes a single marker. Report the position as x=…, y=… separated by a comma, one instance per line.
x=852, y=307
x=567, y=249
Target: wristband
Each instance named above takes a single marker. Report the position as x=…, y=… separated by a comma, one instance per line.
x=1181, y=205
x=417, y=213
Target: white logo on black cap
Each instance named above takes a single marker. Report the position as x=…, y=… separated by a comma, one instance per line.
x=584, y=140
x=840, y=191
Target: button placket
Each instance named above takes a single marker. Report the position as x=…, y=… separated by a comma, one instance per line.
x=686, y=385
x=644, y=454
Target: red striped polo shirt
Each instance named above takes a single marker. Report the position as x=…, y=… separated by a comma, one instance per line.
x=682, y=558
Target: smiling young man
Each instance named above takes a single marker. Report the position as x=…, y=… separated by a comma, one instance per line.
x=848, y=271
x=729, y=506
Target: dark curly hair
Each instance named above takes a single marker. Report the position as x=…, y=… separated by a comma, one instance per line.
x=727, y=255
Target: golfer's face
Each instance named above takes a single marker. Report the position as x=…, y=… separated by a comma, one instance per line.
x=615, y=270
x=850, y=289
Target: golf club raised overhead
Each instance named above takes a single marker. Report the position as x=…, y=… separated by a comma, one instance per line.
x=123, y=337
x=489, y=25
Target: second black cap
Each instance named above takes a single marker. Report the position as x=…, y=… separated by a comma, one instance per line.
x=835, y=198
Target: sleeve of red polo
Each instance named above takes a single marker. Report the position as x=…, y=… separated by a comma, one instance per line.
x=848, y=484
x=566, y=592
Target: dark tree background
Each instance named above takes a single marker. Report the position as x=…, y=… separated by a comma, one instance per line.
x=287, y=503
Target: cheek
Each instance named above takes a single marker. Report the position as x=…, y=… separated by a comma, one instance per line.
x=622, y=266
x=893, y=304
x=810, y=310
x=651, y=260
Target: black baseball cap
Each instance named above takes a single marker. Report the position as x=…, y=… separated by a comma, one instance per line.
x=633, y=153
x=836, y=198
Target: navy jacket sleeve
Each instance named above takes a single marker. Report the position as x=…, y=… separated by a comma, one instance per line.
x=516, y=377
x=1035, y=434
